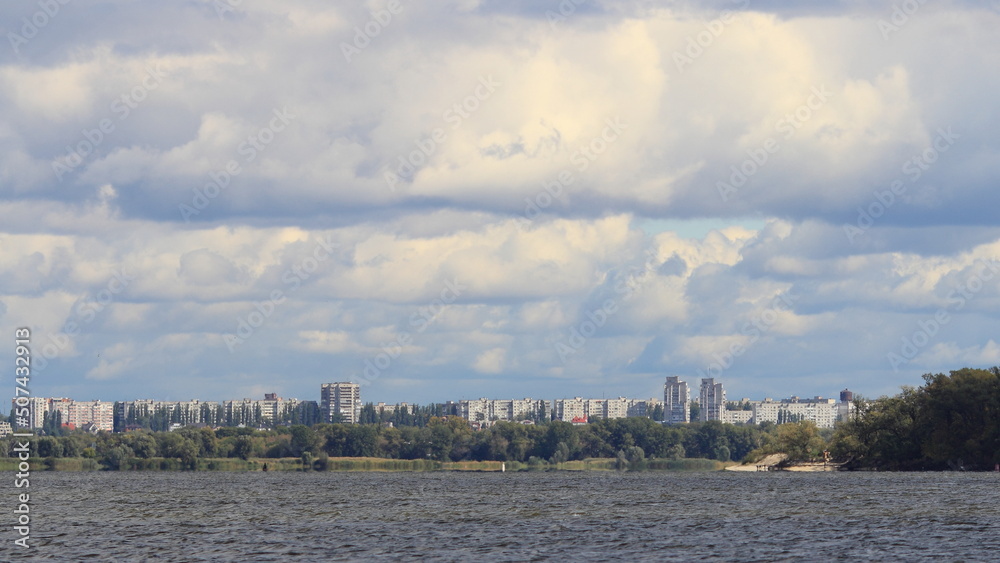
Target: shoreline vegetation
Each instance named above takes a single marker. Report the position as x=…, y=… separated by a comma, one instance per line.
x=355, y=464
x=952, y=422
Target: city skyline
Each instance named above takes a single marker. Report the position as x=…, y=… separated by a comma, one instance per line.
x=342, y=402
x=658, y=391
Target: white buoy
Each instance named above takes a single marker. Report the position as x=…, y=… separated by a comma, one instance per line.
x=503, y=467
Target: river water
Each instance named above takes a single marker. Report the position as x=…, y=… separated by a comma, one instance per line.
x=654, y=516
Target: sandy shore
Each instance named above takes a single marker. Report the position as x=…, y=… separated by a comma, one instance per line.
x=813, y=467
x=768, y=463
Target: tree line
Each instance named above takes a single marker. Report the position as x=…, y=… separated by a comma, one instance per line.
x=950, y=422
x=159, y=419
x=442, y=439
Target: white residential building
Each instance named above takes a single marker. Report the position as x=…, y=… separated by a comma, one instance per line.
x=676, y=401
x=569, y=410
x=580, y=409
x=492, y=410
x=381, y=408
x=101, y=414
x=737, y=417
x=640, y=407
x=825, y=413
x=341, y=400
x=616, y=408
x=38, y=408
x=712, y=400
x=76, y=413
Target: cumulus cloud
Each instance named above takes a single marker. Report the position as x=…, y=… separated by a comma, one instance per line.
x=241, y=206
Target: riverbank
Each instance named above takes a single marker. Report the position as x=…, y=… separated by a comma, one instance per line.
x=361, y=464
x=779, y=462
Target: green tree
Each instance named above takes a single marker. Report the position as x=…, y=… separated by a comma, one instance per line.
x=657, y=413
x=621, y=462
x=52, y=423
x=800, y=440
x=368, y=414
x=675, y=452
x=882, y=433
x=959, y=417
x=362, y=441
x=695, y=411
x=116, y=458
x=73, y=445
x=143, y=445
x=303, y=439
x=636, y=458
x=558, y=432
x=243, y=447
x=49, y=447
x=561, y=455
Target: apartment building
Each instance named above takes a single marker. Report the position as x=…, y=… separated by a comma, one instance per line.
x=825, y=413
x=712, y=400
x=676, y=401
x=101, y=414
x=341, y=400
x=485, y=410
x=579, y=408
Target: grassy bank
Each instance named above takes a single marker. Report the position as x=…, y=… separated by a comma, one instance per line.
x=357, y=464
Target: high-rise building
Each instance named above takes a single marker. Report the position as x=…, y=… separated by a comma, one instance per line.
x=37, y=409
x=256, y=413
x=577, y=409
x=642, y=407
x=485, y=410
x=100, y=414
x=676, y=400
x=846, y=406
x=341, y=400
x=822, y=412
x=713, y=400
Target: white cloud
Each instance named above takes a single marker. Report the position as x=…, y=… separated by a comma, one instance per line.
x=490, y=361
x=446, y=258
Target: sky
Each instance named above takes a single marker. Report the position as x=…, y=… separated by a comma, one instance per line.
x=446, y=200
